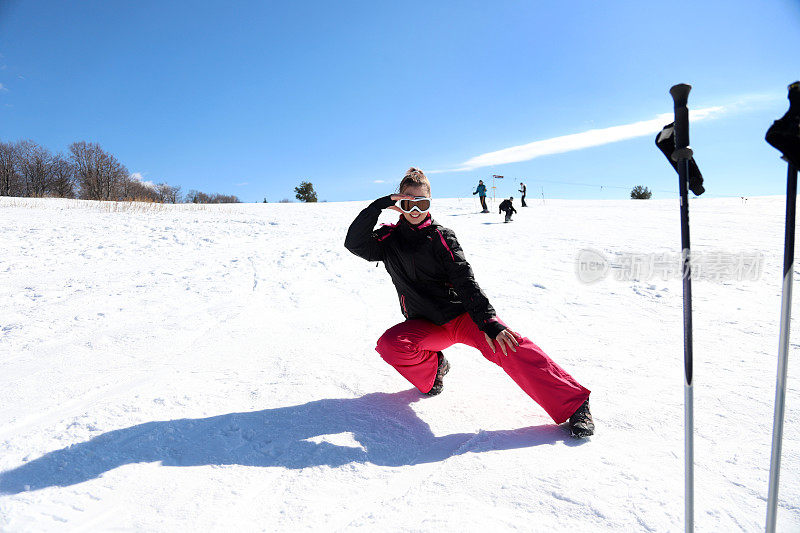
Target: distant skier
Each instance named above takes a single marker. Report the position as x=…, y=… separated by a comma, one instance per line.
x=481, y=192
x=508, y=207
x=443, y=305
x=523, y=189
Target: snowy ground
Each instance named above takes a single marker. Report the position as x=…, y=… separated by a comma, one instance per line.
x=213, y=368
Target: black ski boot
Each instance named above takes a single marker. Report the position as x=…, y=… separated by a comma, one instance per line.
x=581, y=423
x=444, y=368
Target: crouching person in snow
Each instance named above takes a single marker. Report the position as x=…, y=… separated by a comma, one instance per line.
x=508, y=207
x=443, y=305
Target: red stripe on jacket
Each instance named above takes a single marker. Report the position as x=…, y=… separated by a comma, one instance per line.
x=445, y=244
x=393, y=226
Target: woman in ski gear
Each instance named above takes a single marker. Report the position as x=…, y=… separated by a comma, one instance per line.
x=443, y=305
x=523, y=189
x=481, y=192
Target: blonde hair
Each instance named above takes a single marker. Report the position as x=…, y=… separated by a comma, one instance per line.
x=414, y=176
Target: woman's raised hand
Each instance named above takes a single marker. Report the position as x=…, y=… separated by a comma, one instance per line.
x=505, y=338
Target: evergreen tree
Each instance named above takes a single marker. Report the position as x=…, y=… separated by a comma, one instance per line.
x=305, y=192
x=641, y=193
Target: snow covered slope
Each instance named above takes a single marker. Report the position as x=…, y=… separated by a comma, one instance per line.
x=213, y=367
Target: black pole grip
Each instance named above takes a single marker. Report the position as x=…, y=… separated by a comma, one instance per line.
x=794, y=99
x=680, y=96
x=784, y=134
x=673, y=140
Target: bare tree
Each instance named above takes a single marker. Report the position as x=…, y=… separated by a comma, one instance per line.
x=168, y=193
x=136, y=190
x=36, y=165
x=224, y=199
x=29, y=169
x=175, y=194
x=9, y=170
x=62, y=183
x=197, y=197
x=100, y=176
x=127, y=188
x=112, y=175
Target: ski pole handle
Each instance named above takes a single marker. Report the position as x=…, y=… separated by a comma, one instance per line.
x=794, y=99
x=680, y=96
x=784, y=134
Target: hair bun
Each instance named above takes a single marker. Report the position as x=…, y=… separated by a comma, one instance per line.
x=415, y=177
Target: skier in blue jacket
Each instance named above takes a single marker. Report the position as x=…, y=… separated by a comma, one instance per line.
x=481, y=192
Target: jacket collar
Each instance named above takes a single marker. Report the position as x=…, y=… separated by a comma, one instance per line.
x=407, y=226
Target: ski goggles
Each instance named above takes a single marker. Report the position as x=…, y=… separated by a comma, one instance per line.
x=419, y=203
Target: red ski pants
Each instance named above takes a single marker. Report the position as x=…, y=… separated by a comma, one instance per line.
x=411, y=346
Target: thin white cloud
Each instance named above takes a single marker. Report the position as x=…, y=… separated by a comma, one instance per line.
x=579, y=141
x=140, y=178
x=379, y=181
x=242, y=184
x=3, y=88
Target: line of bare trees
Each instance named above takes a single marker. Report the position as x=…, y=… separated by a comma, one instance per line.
x=197, y=197
x=28, y=169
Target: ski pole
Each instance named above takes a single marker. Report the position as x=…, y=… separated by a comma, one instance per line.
x=682, y=155
x=784, y=134
x=673, y=141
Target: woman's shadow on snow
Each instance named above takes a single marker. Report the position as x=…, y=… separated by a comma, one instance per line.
x=385, y=429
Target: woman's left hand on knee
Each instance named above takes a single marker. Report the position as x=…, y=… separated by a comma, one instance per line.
x=505, y=338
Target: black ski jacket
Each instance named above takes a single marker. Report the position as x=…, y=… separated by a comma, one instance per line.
x=506, y=205
x=427, y=266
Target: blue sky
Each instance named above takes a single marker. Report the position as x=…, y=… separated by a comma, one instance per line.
x=250, y=98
